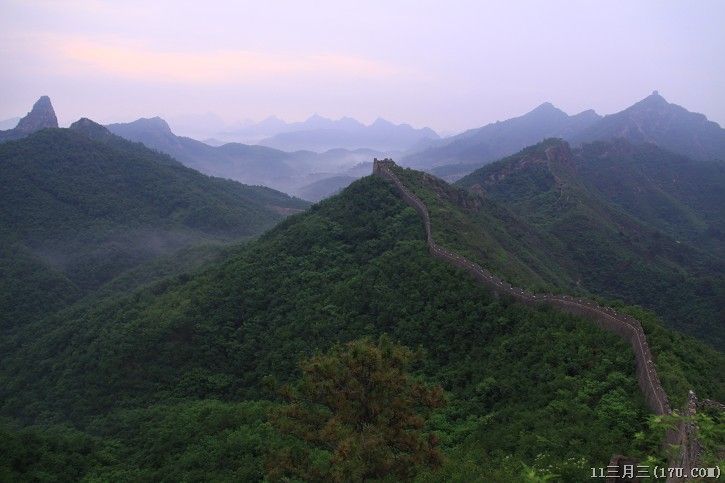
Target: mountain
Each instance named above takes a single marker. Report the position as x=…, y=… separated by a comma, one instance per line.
x=41, y=116
x=625, y=221
x=249, y=164
x=146, y=386
x=651, y=120
x=320, y=134
x=476, y=147
x=80, y=206
x=654, y=120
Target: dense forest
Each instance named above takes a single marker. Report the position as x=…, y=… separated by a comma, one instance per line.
x=615, y=220
x=182, y=379
x=80, y=206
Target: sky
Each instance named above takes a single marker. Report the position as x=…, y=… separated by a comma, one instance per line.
x=448, y=65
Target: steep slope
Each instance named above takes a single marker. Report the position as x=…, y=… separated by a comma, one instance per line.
x=682, y=197
x=81, y=205
x=130, y=372
x=654, y=120
x=476, y=147
x=611, y=215
x=41, y=116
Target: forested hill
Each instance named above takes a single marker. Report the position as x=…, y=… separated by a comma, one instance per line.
x=177, y=380
x=633, y=222
x=80, y=205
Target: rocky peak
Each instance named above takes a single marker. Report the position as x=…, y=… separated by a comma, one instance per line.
x=653, y=101
x=41, y=116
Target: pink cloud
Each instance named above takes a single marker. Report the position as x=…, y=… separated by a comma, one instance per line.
x=138, y=62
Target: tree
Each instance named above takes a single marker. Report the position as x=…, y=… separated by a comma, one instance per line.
x=361, y=415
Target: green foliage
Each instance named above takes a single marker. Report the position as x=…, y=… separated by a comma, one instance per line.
x=635, y=223
x=711, y=436
x=76, y=212
x=358, y=403
x=598, y=221
x=138, y=371
x=202, y=440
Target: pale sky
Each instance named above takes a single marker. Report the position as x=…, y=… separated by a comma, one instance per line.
x=450, y=65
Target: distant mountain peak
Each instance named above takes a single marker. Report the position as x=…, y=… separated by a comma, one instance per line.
x=41, y=116
x=316, y=117
x=547, y=108
x=382, y=122
x=156, y=123
x=654, y=99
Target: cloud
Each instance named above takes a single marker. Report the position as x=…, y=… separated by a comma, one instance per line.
x=138, y=62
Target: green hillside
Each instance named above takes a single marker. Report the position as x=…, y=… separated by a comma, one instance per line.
x=79, y=206
x=177, y=380
x=620, y=221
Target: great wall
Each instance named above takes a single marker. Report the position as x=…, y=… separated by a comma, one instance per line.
x=625, y=326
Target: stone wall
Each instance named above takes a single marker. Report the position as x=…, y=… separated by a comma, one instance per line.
x=605, y=317
x=625, y=326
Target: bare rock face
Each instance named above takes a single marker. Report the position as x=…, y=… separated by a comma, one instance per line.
x=41, y=116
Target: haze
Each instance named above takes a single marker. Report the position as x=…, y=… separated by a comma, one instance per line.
x=447, y=65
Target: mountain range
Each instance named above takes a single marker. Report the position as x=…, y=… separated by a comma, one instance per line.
x=147, y=385
x=307, y=173
x=319, y=134
x=249, y=164
x=652, y=120
x=150, y=331
x=496, y=140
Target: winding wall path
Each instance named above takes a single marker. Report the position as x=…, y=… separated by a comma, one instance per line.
x=607, y=318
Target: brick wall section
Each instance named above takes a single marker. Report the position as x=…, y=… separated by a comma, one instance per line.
x=688, y=456
x=605, y=317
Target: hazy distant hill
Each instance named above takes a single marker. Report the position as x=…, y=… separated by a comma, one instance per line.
x=320, y=134
x=250, y=164
x=80, y=205
x=9, y=123
x=494, y=141
x=323, y=188
x=654, y=120
x=651, y=120
x=633, y=222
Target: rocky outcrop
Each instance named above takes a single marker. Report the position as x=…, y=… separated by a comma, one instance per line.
x=41, y=116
